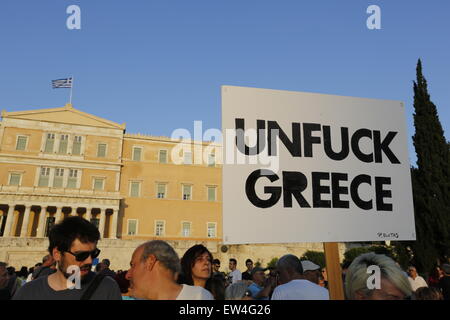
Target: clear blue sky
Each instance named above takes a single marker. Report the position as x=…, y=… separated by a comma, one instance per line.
x=158, y=65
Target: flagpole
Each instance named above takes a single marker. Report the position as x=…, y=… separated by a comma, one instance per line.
x=71, y=88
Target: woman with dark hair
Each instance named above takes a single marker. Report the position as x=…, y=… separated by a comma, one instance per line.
x=196, y=270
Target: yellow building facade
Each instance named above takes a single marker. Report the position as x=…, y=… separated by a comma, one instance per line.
x=61, y=161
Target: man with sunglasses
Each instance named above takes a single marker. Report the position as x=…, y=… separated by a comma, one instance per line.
x=73, y=245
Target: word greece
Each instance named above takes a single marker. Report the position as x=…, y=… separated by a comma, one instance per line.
x=294, y=183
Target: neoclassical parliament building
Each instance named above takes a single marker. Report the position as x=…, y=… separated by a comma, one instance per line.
x=60, y=162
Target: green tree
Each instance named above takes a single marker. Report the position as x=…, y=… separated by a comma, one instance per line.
x=316, y=257
x=351, y=254
x=272, y=263
x=430, y=180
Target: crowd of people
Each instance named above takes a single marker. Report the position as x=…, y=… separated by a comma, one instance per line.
x=157, y=273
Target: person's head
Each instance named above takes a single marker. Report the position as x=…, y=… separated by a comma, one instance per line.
x=311, y=271
x=123, y=283
x=428, y=293
x=99, y=267
x=217, y=287
x=106, y=263
x=412, y=272
x=238, y=291
x=249, y=264
x=196, y=265
x=394, y=285
x=436, y=272
x=232, y=265
x=258, y=276
x=151, y=262
x=23, y=273
x=11, y=271
x=73, y=242
x=289, y=268
x=216, y=265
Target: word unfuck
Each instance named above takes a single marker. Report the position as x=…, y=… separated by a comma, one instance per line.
x=334, y=184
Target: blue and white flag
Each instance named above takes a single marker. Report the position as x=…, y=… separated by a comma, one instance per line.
x=62, y=83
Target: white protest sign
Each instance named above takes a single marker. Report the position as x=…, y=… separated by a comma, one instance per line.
x=322, y=168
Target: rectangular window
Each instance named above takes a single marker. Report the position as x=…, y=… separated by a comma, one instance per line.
x=137, y=153
x=186, y=229
x=132, y=227
x=49, y=143
x=101, y=150
x=63, y=143
x=21, y=143
x=159, y=228
x=73, y=179
x=99, y=183
x=187, y=157
x=187, y=192
x=211, y=230
x=162, y=156
x=211, y=193
x=58, y=179
x=44, y=176
x=14, y=179
x=76, y=148
x=211, y=160
x=135, y=189
x=161, y=191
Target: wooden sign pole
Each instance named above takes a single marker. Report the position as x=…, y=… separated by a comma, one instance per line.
x=334, y=272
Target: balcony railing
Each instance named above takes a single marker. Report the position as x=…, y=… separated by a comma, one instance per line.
x=49, y=191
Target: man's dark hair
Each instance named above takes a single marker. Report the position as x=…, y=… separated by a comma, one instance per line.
x=63, y=234
x=248, y=260
x=216, y=261
x=233, y=260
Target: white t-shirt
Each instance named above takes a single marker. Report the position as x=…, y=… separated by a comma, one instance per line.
x=417, y=283
x=300, y=290
x=194, y=293
x=235, y=275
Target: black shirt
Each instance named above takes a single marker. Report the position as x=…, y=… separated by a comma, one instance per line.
x=39, y=289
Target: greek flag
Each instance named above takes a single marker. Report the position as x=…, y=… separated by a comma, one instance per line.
x=62, y=83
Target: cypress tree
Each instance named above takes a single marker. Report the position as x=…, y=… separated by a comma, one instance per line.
x=431, y=181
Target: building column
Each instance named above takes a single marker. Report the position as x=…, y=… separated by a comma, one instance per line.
x=115, y=216
x=42, y=220
x=9, y=221
x=73, y=211
x=58, y=214
x=26, y=221
x=88, y=214
x=101, y=227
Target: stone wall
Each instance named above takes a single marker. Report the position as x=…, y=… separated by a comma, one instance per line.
x=18, y=252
